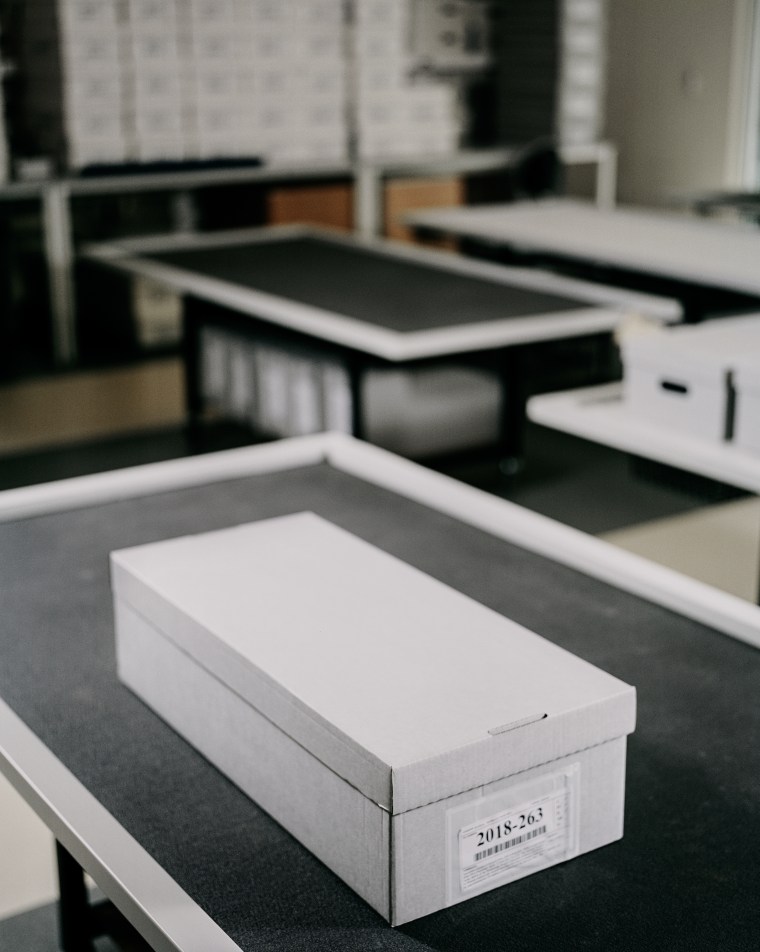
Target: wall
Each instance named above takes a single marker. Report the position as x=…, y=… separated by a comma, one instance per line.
x=675, y=100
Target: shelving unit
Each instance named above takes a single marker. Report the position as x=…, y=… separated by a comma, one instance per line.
x=396, y=71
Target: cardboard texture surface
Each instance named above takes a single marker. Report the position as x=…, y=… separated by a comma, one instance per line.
x=349, y=690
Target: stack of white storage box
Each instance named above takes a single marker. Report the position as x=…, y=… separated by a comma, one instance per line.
x=282, y=391
x=295, y=78
x=74, y=92
x=274, y=389
x=154, y=93
x=113, y=81
x=703, y=380
x=396, y=115
x=582, y=67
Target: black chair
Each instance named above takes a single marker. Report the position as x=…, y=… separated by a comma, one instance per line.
x=535, y=172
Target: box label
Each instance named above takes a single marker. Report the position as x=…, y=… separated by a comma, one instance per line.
x=518, y=830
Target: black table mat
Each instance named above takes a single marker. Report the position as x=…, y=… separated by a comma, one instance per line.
x=685, y=876
x=366, y=285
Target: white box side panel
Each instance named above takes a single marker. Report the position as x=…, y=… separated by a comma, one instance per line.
x=421, y=837
x=319, y=808
x=672, y=398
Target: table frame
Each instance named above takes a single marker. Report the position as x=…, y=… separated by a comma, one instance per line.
x=360, y=344
x=145, y=894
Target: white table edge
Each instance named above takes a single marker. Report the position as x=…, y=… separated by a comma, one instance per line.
x=606, y=307
x=469, y=222
x=656, y=307
x=599, y=414
x=499, y=517
x=167, y=918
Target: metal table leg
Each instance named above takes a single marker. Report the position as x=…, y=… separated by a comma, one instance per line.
x=56, y=215
x=74, y=911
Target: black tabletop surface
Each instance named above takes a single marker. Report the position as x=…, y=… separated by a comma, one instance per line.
x=685, y=876
x=379, y=289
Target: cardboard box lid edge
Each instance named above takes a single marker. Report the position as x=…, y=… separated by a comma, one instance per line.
x=498, y=756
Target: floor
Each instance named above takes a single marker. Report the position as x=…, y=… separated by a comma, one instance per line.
x=70, y=424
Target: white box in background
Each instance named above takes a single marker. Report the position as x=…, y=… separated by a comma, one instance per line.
x=377, y=14
x=421, y=745
x=157, y=87
x=84, y=150
x=211, y=146
x=216, y=119
x=434, y=141
x=266, y=11
x=680, y=377
x=272, y=84
x=583, y=11
x=380, y=44
x=160, y=148
x=158, y=312
x=386, y=144
x=93, y=51
x=158, y=121
x=213, y=86
x=212, y=13
x=314, y=46
x=152, y=12
x=78, y=17
x=82, y=12
x=582, y=39
x=326, y=79
x=270, y=117
x=217, y=46
x=432, y=104
x=377, y=78
x=318, y=114
x=746, y=381
x=267, y=48
x=152, y=47
x=103, y=123
x=98, y=91
x=431, y=410
x=215, y=348
x=583, y=72
x=320, y=14
x=328, y=148
x=578, y=131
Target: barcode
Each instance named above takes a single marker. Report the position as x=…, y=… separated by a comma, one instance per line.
x=515, y=841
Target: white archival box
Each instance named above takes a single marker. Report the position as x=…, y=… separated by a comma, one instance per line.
x=680, y=377
x=746, y=381
x=420, y=744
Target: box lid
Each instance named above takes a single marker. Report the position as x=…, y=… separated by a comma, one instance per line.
x=406, y=688
x=707, y=351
